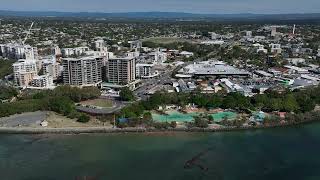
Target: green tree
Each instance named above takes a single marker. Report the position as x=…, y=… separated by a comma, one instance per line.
x=7, y=92
x=147, y=116
x=126, y=94
x=290, y=104
x=61, y=105
x=173, y=124
x=200, y=121
x=83, y=118
x=5, y=67
x=211, y=119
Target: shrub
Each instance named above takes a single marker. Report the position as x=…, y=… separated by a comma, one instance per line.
x=74, y=114
x=173, y=124
x=83, y=118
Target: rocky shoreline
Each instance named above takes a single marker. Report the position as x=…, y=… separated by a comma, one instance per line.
x=93, y=130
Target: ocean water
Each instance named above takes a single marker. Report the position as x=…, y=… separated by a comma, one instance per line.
x=281, y=153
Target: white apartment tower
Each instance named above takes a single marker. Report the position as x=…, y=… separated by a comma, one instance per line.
x=24, y=72
x=18, y=51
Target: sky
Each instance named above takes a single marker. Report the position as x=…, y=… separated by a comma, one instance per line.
x=190, y=6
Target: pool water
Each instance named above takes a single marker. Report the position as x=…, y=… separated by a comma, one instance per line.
x=181, y=117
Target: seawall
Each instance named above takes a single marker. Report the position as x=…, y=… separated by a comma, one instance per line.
x=87, y=130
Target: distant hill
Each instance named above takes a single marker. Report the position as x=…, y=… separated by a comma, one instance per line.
x=159, y=15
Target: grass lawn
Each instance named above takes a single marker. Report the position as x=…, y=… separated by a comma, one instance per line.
x=58, y=121
x=104, y=103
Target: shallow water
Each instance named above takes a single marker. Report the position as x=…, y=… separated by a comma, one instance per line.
x=282, y=153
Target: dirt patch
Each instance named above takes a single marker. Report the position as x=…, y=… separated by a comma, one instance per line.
x=58, y=121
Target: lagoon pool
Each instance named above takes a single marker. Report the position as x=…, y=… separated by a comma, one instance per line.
x=181, y=117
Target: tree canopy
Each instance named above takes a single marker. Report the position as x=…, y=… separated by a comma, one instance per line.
x=126, y=94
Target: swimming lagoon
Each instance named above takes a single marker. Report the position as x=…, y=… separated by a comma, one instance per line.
x=188, y=117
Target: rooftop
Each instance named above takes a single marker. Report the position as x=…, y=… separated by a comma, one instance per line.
x=212, y=67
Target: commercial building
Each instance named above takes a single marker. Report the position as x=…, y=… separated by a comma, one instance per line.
x=232, y=87
x=24, y=72
x=146, y=71
x=212, y=68
x=82, y=71
x=121, y=70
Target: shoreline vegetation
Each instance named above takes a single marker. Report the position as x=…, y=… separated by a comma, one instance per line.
x=111, y=130
x=107, y=130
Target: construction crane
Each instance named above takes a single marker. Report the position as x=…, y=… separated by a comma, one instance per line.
x=28, y=33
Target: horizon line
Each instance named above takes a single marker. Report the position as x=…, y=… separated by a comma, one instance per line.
x=182, y=12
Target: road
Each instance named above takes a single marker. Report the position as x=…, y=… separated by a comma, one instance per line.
x=164, y=78
x=147, y=84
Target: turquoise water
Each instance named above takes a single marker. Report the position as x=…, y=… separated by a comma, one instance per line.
x=181, y=117
x=274, y=154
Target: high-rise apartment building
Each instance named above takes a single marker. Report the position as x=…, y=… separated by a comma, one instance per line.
x=18, y=51
x=24, y=71
x=82, y=71
x=121, y=70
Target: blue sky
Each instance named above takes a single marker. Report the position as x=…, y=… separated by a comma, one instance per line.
x=193, y=6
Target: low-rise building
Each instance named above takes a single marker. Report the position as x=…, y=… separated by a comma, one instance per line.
x=296, y=61
x=275, y=48
x=296, y=70
x=186, y=54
